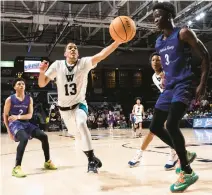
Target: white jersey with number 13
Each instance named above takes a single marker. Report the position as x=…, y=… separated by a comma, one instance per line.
x=71, y=84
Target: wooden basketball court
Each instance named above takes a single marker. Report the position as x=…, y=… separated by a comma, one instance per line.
x=115, y=177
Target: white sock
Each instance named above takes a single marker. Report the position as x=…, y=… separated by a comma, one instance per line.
x=141, y=151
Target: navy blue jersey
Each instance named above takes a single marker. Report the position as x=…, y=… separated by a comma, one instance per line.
x=175, y=58
x=19, y=107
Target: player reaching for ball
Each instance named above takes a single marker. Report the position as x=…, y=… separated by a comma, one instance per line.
x=72, y=76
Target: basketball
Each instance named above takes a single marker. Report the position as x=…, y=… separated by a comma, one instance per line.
x=122, y=29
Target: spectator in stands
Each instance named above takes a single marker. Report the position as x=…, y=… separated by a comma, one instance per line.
x=99, y=122
x=110, y=119
x=150, y=116
x=91, y=121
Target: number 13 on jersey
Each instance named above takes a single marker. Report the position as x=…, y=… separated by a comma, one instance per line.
x=70, y=89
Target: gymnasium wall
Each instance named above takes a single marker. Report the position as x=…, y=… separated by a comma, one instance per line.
x=136, y=58
x=132, y=59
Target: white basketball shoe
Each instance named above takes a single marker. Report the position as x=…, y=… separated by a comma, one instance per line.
x=136, y=160
x=172, y=160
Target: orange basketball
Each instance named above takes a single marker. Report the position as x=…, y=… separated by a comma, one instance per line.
x=122, y=28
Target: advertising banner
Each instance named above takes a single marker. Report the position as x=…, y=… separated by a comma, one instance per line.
x=202, y=123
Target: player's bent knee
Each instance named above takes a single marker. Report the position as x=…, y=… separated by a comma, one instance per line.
x=22, y=136
x=170, y=124
x=152, y=128
x=41, y=135
x=44, y=137
x=24, y=140
x=82, y=123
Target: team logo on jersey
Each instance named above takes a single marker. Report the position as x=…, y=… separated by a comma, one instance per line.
x=70, y=77
x=20, y=106
x=166, y=48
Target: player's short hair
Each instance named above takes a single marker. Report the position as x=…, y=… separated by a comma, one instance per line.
x=138, y=98
x=151, y=56
x=16, y=80
x=166, y=6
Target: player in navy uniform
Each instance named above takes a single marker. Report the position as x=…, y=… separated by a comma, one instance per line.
x=18, y=109
x=174, y=47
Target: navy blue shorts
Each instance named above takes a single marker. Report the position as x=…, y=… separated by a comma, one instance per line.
x=17, y=125
x=182, y=92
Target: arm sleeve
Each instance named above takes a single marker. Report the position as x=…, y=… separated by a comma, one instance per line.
x=52, y=71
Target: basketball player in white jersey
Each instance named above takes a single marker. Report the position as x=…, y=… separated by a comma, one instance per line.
x=157, y=78
x=72, y=76
x=138, y=112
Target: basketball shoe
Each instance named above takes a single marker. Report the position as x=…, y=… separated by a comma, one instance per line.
x=190, y=156
x=17, y=172
x=94, y=165
x=136, y=160
x=183, y=182
x=172, y=160
x=49, y=165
